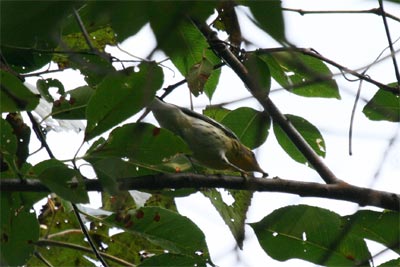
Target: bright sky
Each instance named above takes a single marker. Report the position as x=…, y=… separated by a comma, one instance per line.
x=349, y=39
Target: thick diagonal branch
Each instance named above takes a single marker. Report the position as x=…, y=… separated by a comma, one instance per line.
x=222, y=50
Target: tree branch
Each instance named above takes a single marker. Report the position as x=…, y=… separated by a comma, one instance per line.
x=376, y=11
x=340, y=191
x=222, y=50
x=396, y=68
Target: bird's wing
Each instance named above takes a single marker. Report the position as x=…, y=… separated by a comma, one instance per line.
x=227, y=131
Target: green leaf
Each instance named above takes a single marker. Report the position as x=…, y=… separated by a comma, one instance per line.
x=43, y=86
x=120, y=96
x=211, y=84
x=181, y=40
x=268, y=15
x=139, y=248
x=140, y=142
x=172, y=260
x=216, y=113
x=251, y=126
x=59, y=224
x=30, y=25
x=302, y=75
x=166, y=229
x=309, y=132
x=310, y=233
x=198, y=76
x=260, y=74
x=381, y=227
x=93, y=67
x=19, y=230
x=75, y=107
x=14, y=95
x=110, y=169
x=384, y=105
x=391, y=263
x=100, y=15
x=234, y=215
x=65, y=182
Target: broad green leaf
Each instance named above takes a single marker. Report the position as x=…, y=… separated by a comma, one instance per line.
x=312, y=234
x=384, y=105
x=140, y=142
x=166, y=229
x=302, y=75
x=309, y=132
x=75, y=107
x=251, y=126
x=268, y=15
x=65, y=182
x=381, y=227
x=121, y=202
x=216, y=113
x=211, y=84
x=30, y=26
x=234, y=215
x=19, y=230
x=46, y=164
x=172, y=260
x=14, y=95
x=177, y=36
x=260, y=74
x=43, y=86
x=198, y=76
x=110, y=169
x=120, y=96
x=139, y=248
x=112, y=15
x=391, y=263
x=93, y=67
x=61, y=225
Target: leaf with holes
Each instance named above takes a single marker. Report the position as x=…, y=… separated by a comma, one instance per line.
x=312, y=234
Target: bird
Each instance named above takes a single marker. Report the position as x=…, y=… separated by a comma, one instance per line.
x=213, y=145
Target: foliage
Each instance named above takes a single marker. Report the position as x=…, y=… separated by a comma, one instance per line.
x=156, y=234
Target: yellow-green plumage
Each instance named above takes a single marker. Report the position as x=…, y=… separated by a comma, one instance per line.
x=212, y=144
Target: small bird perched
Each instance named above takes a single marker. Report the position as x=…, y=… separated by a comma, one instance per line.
x=213, y=145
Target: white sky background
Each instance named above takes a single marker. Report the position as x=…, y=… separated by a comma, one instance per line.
x=349, y=39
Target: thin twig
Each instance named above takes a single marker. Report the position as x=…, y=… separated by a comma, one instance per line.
x=42, y=139
x=39, y=134
x=42, y=259
x=375, y=11
x=396, y=68
x=84, y=31
x=47, y=242
x=87, y=235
